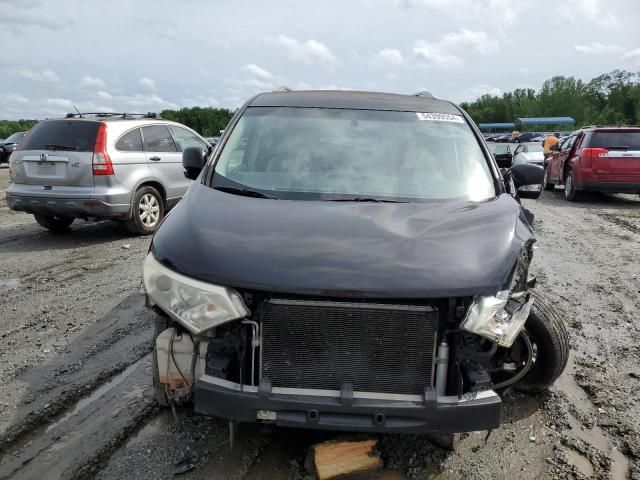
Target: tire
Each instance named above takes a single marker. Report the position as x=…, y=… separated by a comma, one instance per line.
x=548, y=186
x=547, y=332
x=54, y=223
x=160, y=325
x=147, y=211
x=570, y=192
x=446, y=441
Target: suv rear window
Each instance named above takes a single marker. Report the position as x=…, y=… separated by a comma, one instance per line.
x=628, y=140
x=72, y=135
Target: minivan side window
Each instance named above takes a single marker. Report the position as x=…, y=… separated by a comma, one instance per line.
x=130, y=141
x=158, y=139
x=186, y=139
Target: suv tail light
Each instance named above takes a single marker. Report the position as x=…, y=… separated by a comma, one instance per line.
x=589, y=154
x=595, y=152
x=101, y=161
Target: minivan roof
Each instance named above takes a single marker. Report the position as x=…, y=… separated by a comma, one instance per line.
x=354, y=100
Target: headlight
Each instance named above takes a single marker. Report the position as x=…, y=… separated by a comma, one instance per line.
x=497, y=318
x=197, y=305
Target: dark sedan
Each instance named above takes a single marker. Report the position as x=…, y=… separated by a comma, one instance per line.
x=8, y=145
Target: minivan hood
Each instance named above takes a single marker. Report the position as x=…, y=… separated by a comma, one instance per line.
x=338, y=249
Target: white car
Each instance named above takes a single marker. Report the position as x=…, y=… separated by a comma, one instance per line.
x=528, y=153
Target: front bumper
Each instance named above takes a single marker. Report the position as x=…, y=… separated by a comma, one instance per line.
x=347, y=411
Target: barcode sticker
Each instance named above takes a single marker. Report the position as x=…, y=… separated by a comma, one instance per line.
x=440, y=117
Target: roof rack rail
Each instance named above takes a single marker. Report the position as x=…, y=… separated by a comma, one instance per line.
x=283, y=88
x=424, y=94
x=113, y=114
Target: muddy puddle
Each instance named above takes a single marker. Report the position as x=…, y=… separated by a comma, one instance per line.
x=9, y=284
x=593, y=436
x=96, y=394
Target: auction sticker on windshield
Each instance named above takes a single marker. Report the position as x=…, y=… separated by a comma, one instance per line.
x=440, y=117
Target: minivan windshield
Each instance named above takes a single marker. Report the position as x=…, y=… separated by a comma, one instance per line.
x=342, y=154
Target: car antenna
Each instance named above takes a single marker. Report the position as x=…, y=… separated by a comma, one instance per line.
x=80, y=115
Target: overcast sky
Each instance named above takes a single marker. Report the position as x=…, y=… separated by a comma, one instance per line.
x=148, y=55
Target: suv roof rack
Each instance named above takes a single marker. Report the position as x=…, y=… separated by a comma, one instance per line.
x=283, y=88
x=112, y=114
x=424, y=94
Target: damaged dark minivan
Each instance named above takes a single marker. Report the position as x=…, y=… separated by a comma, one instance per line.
x=350, y=261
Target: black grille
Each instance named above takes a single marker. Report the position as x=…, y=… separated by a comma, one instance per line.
x=376, y=348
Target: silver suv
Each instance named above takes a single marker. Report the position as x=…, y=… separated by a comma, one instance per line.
x=101, y=166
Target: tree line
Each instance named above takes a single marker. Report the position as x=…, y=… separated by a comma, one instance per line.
x=206, y=121
x=611, y=98
x=7, y=127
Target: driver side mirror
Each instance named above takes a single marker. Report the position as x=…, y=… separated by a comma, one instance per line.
x=193, y=159
x=527, y=178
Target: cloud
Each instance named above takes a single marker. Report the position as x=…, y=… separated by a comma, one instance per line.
x=60, y=102
x=309, y=52
x=503, y=12
x=16, y=20
x=13, y=98
x=632, y=56
x=148, y=83
x=445, y=53
x=200, y=101
x=593, y=10
x=597, y=48
x=258, y=72
x=389, y=56
x=104, y=95
x=477, y=91
x=260, y=79
x=92, y=82
x=25, y=4
x=43, y=76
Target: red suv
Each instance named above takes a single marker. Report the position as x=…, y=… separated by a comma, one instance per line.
x=604, y=159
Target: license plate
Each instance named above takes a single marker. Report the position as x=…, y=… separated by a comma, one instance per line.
x=46, y=168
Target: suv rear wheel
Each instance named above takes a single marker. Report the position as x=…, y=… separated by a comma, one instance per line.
x=53, y=222
x=148, y=210
x=570, y=192
x=545, y=180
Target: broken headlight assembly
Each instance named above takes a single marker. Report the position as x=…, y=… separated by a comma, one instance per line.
x=501, y=317
x=198, y=306
x=497, y=318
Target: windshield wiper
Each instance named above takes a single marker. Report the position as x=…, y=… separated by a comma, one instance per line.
x=54, y=146
x=364, y=199
x=245, y=192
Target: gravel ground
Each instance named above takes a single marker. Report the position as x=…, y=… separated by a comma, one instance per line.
x=74, y=366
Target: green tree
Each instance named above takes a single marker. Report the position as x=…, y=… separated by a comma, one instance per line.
x=206, y=121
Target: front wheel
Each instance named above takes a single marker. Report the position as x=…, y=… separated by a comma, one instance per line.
x=53, y=222
x=539, y=354
x=550, y=342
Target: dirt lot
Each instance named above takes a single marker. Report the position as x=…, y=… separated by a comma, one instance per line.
x=75, y=366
